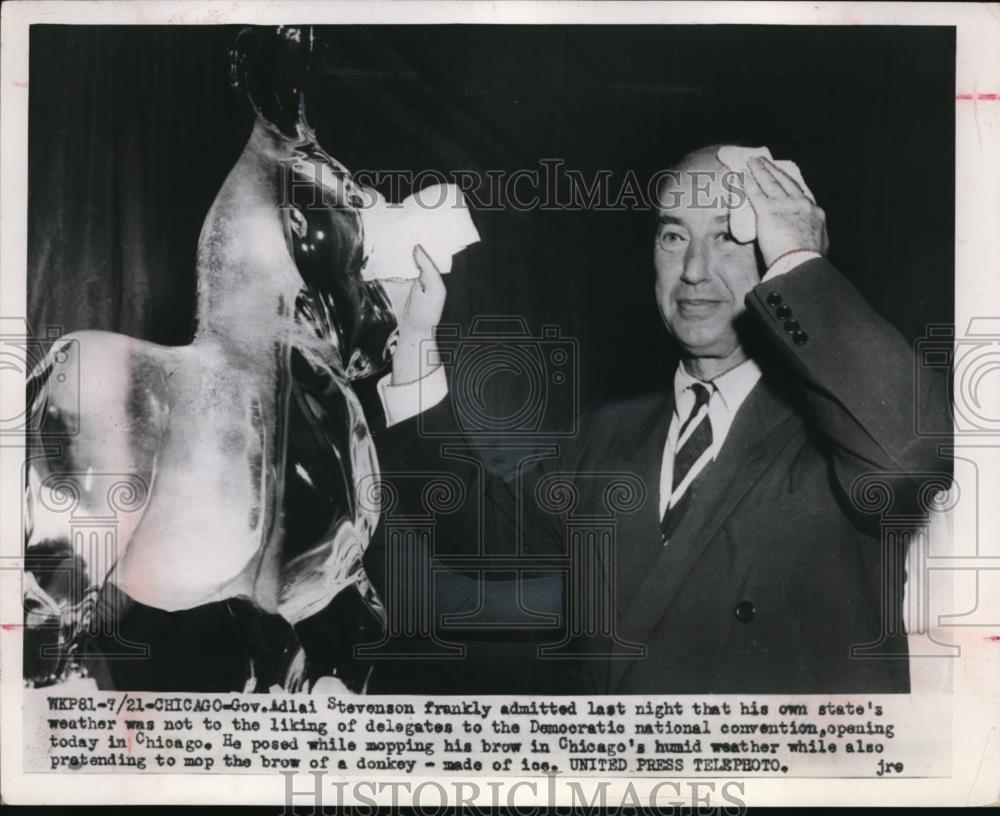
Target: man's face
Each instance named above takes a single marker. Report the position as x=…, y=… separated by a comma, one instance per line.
x=702, y=273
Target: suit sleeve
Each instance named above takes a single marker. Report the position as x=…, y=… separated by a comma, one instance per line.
x=858, y=373
x=498, y=516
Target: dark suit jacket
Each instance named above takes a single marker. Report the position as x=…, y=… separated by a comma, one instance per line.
x=778, y=571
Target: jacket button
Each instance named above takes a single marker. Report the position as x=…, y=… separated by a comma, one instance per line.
x=800, y=338
x=791, y=326
x=745, y=611
x=783, y=312
x=774, y=299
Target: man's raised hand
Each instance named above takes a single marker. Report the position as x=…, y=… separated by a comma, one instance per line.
x=418, y=306
x=787, y=220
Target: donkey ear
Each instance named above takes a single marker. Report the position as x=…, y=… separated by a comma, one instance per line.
x=271, y=66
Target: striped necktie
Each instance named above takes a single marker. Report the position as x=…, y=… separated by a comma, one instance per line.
x=693, y=441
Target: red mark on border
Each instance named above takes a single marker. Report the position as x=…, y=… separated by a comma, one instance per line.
x=994, y=638
x=19, y=84
x=10, y=627
x=983, y=97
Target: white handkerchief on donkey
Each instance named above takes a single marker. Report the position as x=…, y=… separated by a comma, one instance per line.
x=742, y=221
x=435, y=217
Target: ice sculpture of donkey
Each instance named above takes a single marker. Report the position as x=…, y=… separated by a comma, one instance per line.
x=231, y=466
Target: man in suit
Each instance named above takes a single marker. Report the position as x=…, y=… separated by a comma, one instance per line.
x=751, y=565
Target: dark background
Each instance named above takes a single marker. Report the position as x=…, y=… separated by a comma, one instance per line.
x=132, y=130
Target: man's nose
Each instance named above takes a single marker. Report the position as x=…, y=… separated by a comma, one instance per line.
x=695, y=264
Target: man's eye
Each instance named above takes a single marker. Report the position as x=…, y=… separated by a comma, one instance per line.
x=671, y=238
x=726, y=238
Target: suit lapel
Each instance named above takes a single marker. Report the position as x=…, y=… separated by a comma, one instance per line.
x=641, y=453
x=761, y=426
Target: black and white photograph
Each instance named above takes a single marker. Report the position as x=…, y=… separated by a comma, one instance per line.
x=544, y=375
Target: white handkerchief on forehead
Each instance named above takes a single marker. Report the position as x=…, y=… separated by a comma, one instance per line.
x=742, y=221
x=435, y=217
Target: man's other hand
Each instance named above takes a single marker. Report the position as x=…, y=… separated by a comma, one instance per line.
x=418, y=306
x=786, y=219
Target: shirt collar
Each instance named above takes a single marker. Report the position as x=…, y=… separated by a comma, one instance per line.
x=733, y=387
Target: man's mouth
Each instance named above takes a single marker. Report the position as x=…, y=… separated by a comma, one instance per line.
x=697, y=307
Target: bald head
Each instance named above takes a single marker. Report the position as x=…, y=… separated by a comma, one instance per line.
x=697, y=180
x=702, y=158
